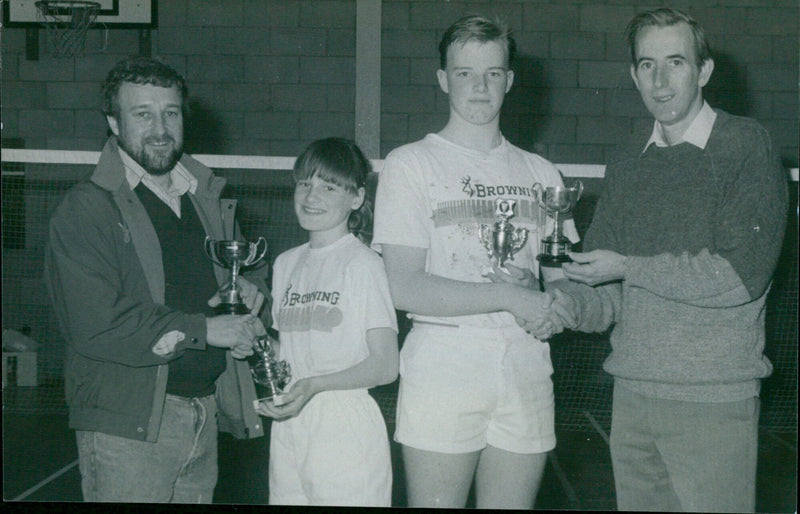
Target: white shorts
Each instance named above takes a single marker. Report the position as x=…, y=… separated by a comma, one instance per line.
x=335, y=452
x=462, y=388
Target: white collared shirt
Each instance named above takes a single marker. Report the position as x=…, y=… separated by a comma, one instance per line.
x=182, y=181
x=697, y=133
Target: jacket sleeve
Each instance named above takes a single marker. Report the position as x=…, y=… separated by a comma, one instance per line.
x=235, y=395
x=99, y=293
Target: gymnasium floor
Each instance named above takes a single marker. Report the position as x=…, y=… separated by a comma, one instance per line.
x=39, y=465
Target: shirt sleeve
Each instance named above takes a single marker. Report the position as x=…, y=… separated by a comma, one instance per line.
x=370, y=277
x=278, y=285
x=402, y=211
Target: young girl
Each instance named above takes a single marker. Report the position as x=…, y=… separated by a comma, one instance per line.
x=338, y=333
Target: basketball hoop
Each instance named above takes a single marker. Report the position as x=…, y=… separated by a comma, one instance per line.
x=65, y=25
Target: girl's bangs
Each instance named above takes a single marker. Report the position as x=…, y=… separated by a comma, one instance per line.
x=325, y=172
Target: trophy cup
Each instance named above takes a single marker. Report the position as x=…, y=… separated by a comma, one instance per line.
x=557, y=201
x=502, y=240
x=234, y=255
x=270, y=376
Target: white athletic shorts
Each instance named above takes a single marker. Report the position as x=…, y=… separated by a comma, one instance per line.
x=335, y=452
x=462, y=388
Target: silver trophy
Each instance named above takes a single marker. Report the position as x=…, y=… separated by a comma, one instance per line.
x=502, y=240
x=557, y=201
x=234, y=255
x=270, y=375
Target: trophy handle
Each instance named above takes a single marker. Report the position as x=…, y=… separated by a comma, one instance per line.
x=539, y=194
x=264, y=344
x=580, y=189
x=252, y=259
x=208, y=247
x=538, y=189
x=519, y=238
x=485, y=237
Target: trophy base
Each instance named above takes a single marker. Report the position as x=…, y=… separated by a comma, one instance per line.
x=231, y=308
x=552, y=261
x=276, y=400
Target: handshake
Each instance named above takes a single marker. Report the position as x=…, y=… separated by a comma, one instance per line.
x=541, y=314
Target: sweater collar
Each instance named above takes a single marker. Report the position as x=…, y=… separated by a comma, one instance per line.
x=696, y=134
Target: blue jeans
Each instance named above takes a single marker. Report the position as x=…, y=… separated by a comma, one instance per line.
x=677, y=456
x=181, y=467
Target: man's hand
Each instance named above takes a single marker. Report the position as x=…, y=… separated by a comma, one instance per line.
x=595, y=267
x=561, y=314
x=238, y=333
x=251, y=296
x=532, y=311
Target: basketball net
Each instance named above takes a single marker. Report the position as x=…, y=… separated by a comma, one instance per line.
x=65, y=24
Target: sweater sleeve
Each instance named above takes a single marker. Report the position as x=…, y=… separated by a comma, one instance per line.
x=598, y=307
x=751, y=219
x=748, y=218
x=703, y=280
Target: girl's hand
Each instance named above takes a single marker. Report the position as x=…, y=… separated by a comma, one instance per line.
x=293, y=401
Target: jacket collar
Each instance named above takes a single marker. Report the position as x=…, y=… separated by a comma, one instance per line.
x=110, y=172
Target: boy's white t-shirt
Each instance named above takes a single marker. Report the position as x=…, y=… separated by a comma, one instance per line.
x=325, y=300
x=434, y=194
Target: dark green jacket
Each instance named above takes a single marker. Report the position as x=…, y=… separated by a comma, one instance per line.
x=104, y=272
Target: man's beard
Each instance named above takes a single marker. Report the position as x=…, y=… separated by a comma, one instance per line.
x=158, y=164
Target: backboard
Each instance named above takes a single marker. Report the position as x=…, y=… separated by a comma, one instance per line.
x=113, y=13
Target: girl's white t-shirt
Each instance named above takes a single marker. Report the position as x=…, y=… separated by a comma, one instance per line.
x=324, y=301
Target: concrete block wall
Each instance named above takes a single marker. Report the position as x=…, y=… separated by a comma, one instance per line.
x=268, y=76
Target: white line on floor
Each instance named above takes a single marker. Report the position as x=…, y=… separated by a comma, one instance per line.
x=781, y=440
x=562, y=477
x=46, y=481
x=596, y=425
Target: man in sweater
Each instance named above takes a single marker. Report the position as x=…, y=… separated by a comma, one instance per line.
x=681, y=249
x=150, y=371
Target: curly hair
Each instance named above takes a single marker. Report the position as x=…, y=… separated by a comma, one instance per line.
x=139, y=70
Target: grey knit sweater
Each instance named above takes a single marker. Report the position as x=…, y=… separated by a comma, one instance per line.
x=702, y=229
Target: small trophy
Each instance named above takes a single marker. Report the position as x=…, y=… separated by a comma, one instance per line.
x=270, y=376
x=234, y=255
x=557, y=201
x=502, y=240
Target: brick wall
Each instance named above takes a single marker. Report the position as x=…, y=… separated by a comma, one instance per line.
x=268, y=76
